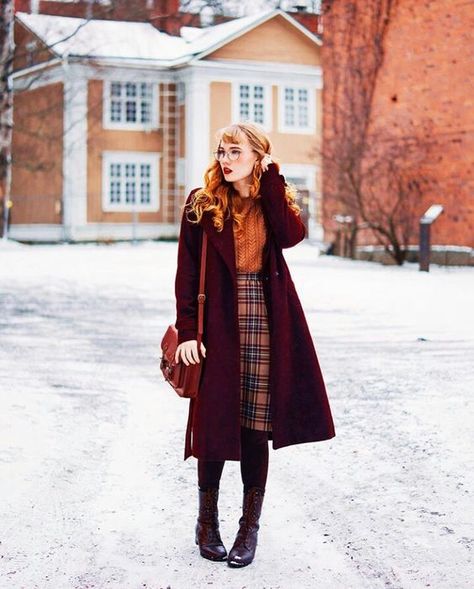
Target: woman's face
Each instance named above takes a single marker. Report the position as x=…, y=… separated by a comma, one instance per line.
x=240, y=168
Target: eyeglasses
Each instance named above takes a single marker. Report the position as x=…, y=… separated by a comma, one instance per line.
x=233, y=154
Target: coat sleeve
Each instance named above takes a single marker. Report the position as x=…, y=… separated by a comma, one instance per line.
x=286, y=225
x=187, y=277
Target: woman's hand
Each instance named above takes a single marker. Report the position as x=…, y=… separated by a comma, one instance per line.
x=189, y=352
x=266, y=161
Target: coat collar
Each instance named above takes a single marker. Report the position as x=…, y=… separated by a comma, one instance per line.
x=223, y=241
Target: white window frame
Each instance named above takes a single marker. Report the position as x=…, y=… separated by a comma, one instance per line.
x=107, y=123
x=311, y=127
x=131, y=157
x=309, y=172
x=267, y=102
x=306, y=171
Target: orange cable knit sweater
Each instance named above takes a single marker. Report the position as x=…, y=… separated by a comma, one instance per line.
x=249, y=247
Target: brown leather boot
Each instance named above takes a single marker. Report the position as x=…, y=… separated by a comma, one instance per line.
x=243, y=550
x=207, y=528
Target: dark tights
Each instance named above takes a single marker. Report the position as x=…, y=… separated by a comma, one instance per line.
x=253, y=465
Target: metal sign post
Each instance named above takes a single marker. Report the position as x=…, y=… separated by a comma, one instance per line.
x=425, y=224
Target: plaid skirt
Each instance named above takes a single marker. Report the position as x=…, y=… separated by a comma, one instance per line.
x=254, y=353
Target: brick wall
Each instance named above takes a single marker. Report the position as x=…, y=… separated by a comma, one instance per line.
x=425, y=83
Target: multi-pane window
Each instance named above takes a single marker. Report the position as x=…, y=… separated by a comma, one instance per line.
x=130, y=181
x=297, y=106
x=252, y=103
x=130, y=104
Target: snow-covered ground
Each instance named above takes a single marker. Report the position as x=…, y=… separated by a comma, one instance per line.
x=94, y=491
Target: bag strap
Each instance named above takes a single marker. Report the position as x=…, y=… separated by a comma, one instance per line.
x=202, y=295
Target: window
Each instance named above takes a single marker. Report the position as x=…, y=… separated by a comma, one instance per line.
x=301, y=175
x=130, y=105
x=304, y=177
x=130, y=181
x=296, y=107
x=252, y=103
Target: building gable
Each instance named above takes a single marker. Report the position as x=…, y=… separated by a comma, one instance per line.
x=29, y=48
x=275, y=40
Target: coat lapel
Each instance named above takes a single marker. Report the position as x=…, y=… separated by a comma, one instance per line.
x=222, y=241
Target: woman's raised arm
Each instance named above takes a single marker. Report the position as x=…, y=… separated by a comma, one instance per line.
x=286, y=225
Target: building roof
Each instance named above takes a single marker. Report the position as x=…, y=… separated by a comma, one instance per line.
x=102, y=38
x=124, y=40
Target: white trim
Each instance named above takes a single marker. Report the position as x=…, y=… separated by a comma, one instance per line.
x=131, y=63
x=107, y=123
x=38, y=232
x=74, y=149
x=262, y=67
x=267, y=102
x=212, y=70
x=137, y=73
x=180, y=92
x=33, y=70
x=310, y=129
x=180, y=171
x=197, y=128
x=137, y=158
x=264, y=72
x=28, y=78
x=125, y=231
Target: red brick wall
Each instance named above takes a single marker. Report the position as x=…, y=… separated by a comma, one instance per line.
x=22, y=5
x=426, y=78
x=135, y=10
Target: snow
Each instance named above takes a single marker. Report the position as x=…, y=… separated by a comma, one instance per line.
x=95, y=492
x=190, y=33
x=104, y=38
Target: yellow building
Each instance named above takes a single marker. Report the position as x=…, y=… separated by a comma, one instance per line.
x=115, y=122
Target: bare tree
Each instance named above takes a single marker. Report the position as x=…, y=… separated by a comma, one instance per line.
x=370, y=177
x=387, y=197
x=6, y=104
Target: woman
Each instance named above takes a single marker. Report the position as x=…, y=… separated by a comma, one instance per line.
x=261, y=378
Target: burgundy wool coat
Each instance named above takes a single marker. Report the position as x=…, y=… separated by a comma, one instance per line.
x=299, y=404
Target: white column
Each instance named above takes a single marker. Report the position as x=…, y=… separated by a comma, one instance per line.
x=74, y=151
x=197, y=128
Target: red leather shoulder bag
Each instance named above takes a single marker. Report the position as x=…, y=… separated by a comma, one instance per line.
x=184, y=379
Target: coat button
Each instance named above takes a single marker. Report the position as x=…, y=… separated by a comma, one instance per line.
x=277, y=273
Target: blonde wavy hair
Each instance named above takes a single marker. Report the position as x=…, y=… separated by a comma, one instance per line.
x=219, y=196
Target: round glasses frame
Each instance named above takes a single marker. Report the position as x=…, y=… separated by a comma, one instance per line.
x=233, y=154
